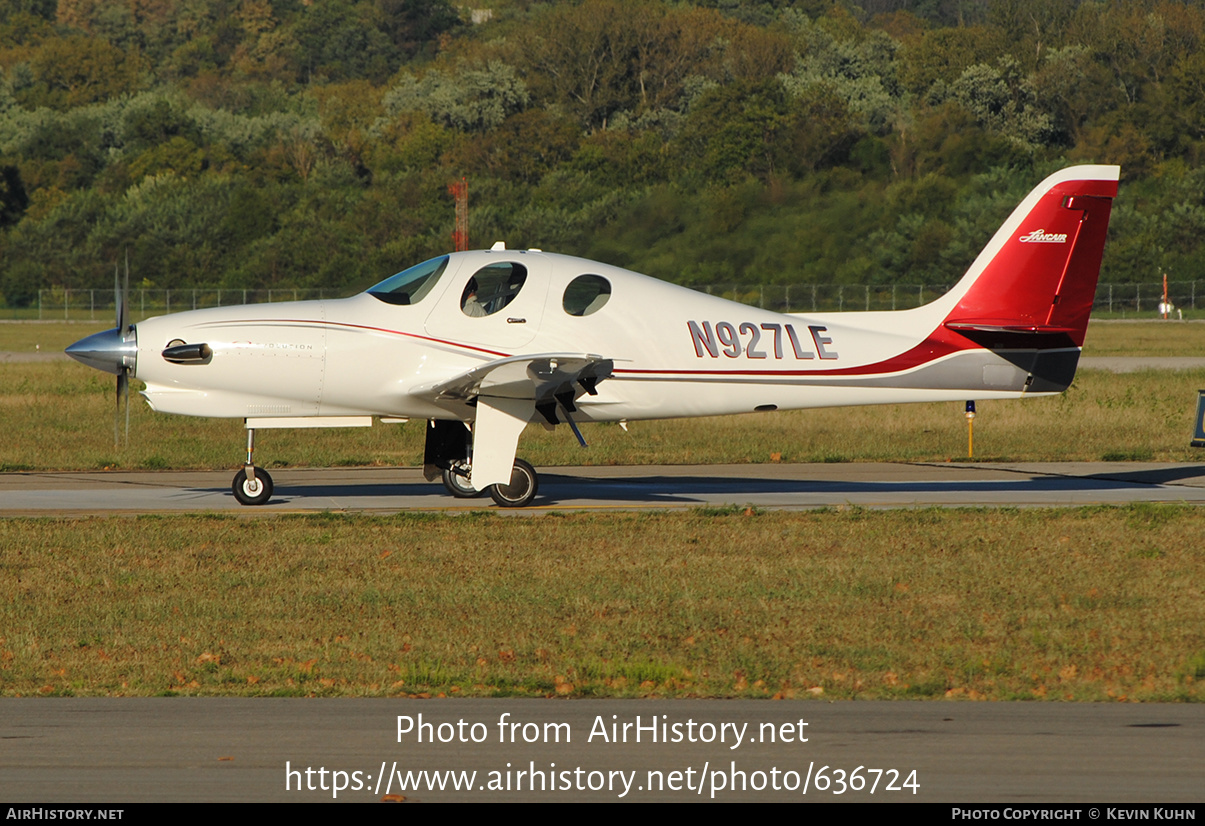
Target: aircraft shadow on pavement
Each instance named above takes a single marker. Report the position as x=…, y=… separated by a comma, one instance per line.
x=561, y=489
x=1155, y=476
x=679, y=488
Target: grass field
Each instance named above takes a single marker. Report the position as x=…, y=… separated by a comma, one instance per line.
x=1088, y=604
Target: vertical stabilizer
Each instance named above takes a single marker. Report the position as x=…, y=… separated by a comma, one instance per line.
x=1039, y=272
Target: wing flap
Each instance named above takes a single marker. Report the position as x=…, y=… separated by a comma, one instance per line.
x=536, y=377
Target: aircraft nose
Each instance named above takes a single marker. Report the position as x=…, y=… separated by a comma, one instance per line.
x=111, y=350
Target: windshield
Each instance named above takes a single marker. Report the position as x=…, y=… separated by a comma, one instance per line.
x=412, y=285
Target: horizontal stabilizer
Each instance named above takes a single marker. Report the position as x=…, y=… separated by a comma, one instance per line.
x=998, y=326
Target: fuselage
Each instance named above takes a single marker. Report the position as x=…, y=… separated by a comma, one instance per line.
x=676, y=352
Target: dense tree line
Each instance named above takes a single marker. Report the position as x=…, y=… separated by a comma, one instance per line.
x=263, y=143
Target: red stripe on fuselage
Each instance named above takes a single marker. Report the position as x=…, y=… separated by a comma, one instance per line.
x=308, y=322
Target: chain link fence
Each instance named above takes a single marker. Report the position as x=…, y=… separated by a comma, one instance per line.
x=825, y=298
x=1112, y=300
x=98, y=305
x=1144, y=300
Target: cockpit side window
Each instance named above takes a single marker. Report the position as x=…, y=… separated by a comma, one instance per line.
x=492, y=288
x=410, y=286
x=586, y=294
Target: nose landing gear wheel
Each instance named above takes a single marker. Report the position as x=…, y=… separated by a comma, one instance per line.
x=252, y=492
x=458, y=484
x=522, y=488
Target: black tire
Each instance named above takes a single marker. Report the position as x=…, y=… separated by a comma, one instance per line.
x=524, y=483
x=458, y=485
x=248, y=494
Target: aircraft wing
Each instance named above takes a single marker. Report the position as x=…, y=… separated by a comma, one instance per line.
x=540, y=378
x=509, y=391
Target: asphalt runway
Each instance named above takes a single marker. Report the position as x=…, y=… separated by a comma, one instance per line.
x=769, y=486
x=1024, y=754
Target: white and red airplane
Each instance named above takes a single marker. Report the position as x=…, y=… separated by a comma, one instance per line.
x=480, y=344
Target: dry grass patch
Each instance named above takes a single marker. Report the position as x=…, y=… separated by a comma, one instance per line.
x=1146, y=339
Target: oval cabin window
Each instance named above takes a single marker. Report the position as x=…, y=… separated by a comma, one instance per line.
x=586, y=295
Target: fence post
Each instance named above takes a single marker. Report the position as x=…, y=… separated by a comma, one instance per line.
x=1138, y=298
x=66, y=302
x=867, y=298
x=813, y=298
x=39, y=305
x=1110, y=298
x=92, y=305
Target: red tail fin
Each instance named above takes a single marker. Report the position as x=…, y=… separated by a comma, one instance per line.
x=1039, y=273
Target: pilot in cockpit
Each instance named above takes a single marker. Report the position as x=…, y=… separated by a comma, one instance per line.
x=471, y=304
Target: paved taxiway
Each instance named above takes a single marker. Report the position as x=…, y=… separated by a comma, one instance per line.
x=181, y=749
x=771, y=486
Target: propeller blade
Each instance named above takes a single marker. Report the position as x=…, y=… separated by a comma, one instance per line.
x=121, y=293
x=123, y=305
x=124, y=379
x=123, y=389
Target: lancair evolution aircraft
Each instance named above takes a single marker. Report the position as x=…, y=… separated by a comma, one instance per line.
x=482, y=343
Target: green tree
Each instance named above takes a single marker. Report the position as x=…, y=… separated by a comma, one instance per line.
x=471, y=99
x=942, y=55
x=339, y=40
x=79, y=70
x=13, y=198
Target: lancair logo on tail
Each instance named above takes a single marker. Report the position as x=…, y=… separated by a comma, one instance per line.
x=1041, y=236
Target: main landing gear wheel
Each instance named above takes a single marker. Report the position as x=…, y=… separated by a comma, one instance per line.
x=522, y=488
x=252, y=492
x=458, y=484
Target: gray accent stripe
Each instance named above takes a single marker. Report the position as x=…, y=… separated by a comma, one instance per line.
x=1002, y=370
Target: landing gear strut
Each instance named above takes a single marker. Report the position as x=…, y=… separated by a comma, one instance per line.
x=448, y=456
x=252, y=485
x=524, y=483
